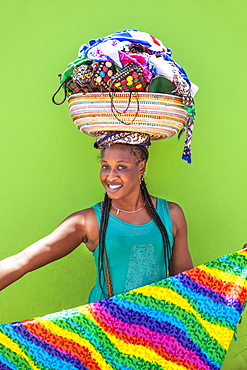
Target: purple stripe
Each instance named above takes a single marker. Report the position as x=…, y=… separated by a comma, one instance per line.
x=4, y=367
x=216, y=297
x=20, y=329
x=165, y=328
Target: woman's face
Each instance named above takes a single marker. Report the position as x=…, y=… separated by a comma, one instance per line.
x=120, y=172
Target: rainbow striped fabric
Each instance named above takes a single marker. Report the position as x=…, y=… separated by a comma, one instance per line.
x=184, y=322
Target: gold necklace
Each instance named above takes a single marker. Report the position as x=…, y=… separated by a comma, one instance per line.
x=122, y=210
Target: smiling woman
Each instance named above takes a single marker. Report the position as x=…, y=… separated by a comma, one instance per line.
x=135, y=238
x=125, y=90
x=142, y=247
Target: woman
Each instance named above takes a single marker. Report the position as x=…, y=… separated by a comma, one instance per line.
x=127, y=202
x=135, y=238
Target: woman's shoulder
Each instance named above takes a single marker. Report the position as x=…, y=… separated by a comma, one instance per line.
x=85, y=219
x=176, y=211
x=174, y=207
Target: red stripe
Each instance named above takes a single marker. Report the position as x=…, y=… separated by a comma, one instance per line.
x=223, y=287
x=118, y=328
x=62, y=344
x=157, y=42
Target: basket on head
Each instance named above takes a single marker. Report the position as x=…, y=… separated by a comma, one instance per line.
x=159, y=115
x=128, y=82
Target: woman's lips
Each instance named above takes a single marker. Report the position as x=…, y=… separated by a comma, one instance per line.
x=114, y=187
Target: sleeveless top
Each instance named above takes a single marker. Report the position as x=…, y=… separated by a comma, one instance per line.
x=135, y=253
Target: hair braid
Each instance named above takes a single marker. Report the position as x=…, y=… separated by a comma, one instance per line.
x=141, y=154
x=152, y=211
x=102, y=233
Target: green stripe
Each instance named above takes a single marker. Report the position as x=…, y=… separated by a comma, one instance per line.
x=188, y=320
x=14, y=358
x=235, y=259
x=91, y=331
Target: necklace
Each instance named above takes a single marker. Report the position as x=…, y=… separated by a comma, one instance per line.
x=122, y=210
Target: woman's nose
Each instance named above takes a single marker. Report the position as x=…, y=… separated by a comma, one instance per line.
x=112, y=174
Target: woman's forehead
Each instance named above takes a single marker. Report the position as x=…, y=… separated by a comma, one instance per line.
x=118, y=152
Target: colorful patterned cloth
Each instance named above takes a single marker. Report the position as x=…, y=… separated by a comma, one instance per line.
x=129, y=61
x=184, y=322
x=154, y=60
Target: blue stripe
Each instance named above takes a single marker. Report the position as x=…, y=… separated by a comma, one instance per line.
x=136, y=318
x=225, y=313
x=206, y=292
x=150, y=312
x=40, y=351
x=6, y=364
x=234, y=264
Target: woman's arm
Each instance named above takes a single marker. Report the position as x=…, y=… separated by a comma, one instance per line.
x=63, y=240
x=181, y=259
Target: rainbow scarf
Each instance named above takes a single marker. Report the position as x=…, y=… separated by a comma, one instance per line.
x=184, y=322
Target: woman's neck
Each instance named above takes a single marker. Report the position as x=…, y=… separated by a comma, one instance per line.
x=129, y=204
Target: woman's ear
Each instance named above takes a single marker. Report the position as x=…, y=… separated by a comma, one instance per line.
x=142, y=171
x=142, y=167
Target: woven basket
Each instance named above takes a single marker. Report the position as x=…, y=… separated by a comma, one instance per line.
x=159, y=115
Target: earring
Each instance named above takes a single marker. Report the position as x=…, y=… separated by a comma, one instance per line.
x=141, y=176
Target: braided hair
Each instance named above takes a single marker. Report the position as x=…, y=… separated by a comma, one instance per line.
x=141, y=154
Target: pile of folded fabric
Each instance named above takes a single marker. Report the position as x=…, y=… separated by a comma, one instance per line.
x=128, y=82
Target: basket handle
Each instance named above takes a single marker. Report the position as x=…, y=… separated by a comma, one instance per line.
x=57, y=91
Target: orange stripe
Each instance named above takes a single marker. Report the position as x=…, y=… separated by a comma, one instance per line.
x=223, y=287
x=61, y=344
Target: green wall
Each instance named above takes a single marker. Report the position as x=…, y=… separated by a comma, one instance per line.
x=49, y=169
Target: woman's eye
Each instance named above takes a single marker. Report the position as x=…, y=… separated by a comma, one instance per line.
x=104, y=167
x=121, y=167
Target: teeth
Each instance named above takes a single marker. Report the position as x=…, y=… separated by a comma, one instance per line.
x=114, y=186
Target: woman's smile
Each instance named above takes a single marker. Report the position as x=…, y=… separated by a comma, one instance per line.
x=114, y=187
x=120, y=172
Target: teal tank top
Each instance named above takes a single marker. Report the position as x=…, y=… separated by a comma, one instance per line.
x=135, y=253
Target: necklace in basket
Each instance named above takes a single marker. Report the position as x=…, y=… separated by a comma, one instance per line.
x=122, y=210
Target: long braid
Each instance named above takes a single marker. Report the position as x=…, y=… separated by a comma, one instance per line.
x=152, y=211
x=103, y=225
x=140, y=153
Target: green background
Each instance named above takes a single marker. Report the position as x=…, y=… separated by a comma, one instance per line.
x=49, y=169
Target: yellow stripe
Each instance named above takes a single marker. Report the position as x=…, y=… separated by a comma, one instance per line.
x=220, y=333
x=8, y=343
x=135, y=350
x=224, y=276
x=144, y=353
x=55, y=329
x=86, y=310
x=243, y=252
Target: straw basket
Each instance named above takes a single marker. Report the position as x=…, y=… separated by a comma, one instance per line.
x=159, y=115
